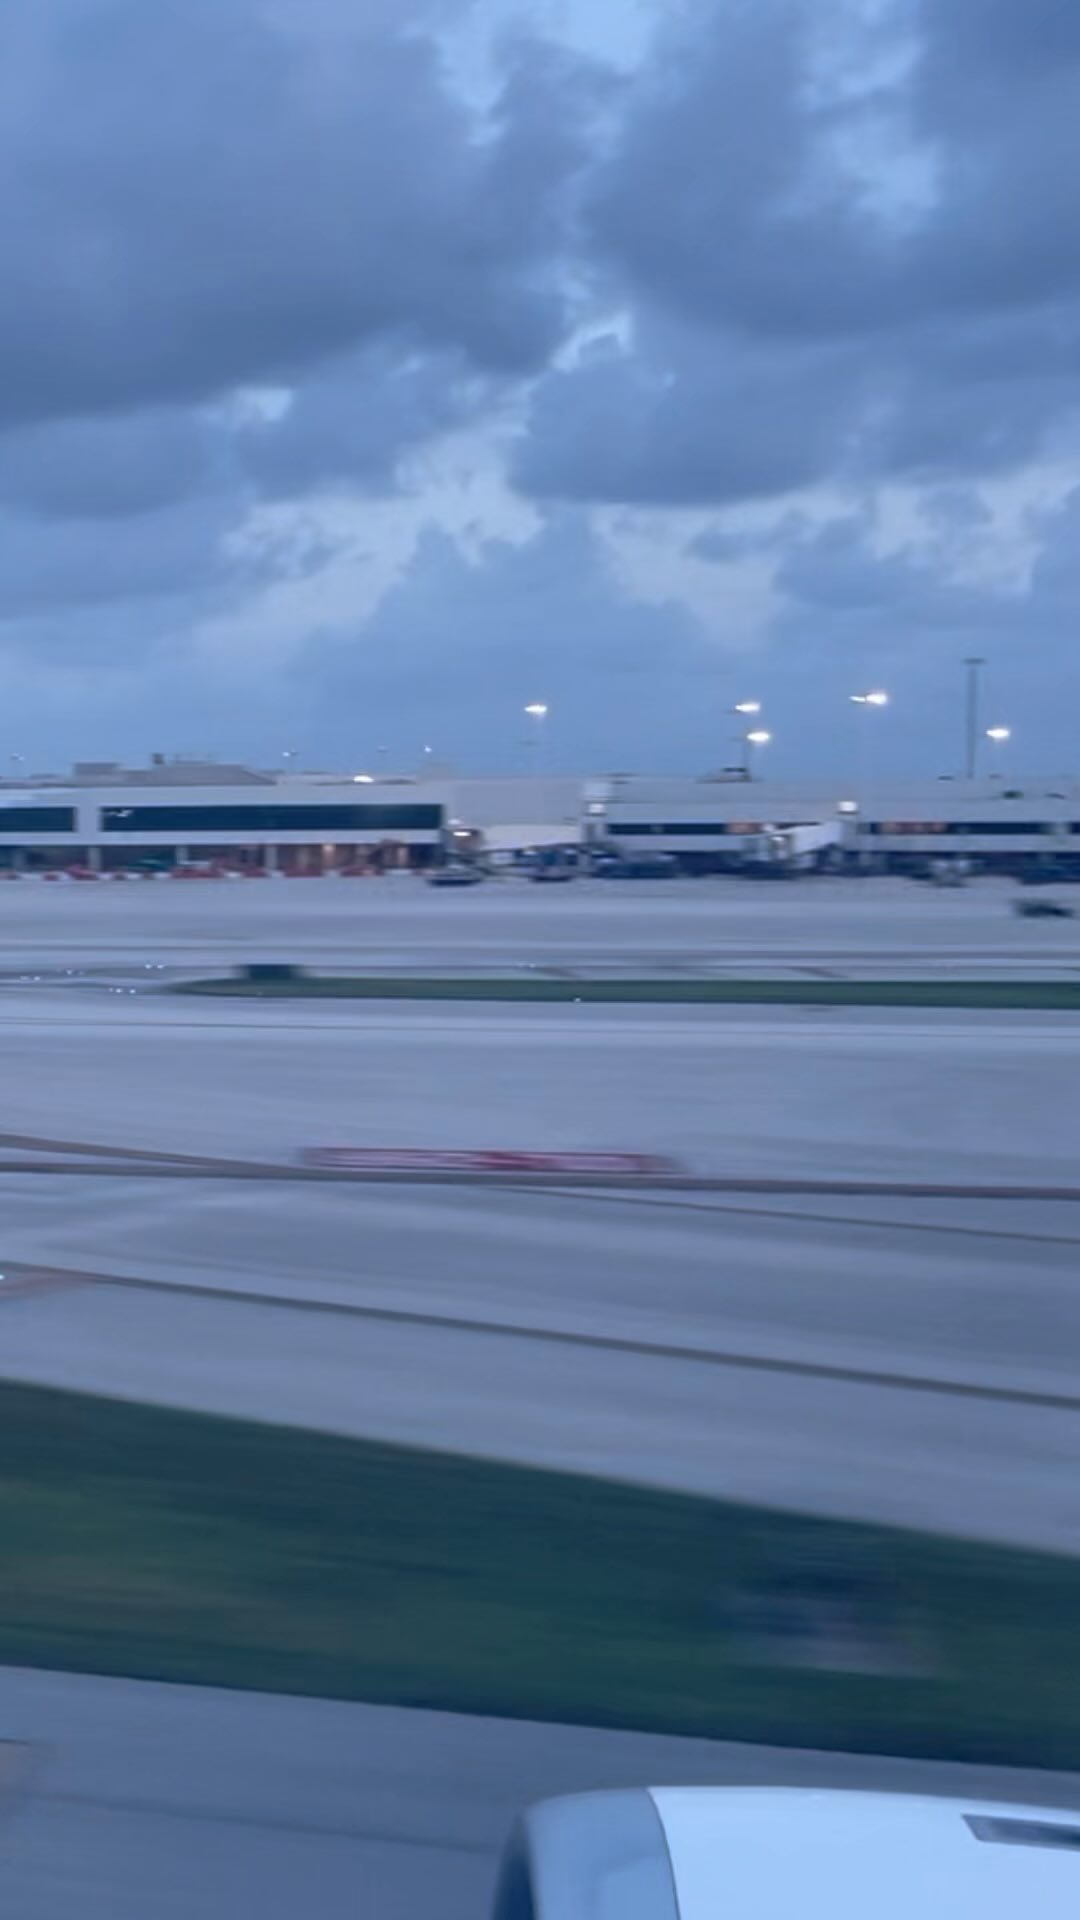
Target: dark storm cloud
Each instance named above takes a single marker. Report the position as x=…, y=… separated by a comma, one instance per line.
x=349, y=425
x=109, y=467
x=731, y=192
x=346, y=427
x=1055, y=574
x=835, y=570
x=209, y=193
x=180, y=553
x=689, y=419
x=838, y=241
x=722, y=198
x=195, y=196
x=1002, y=35
x=927, y=328
x=997, y=96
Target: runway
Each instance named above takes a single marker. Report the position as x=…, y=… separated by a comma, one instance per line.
x=123, y=1800
x=714, y=925
x=875, y=1356
x=977, y=1097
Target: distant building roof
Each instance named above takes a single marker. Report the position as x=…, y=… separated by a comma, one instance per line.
x=161, y=772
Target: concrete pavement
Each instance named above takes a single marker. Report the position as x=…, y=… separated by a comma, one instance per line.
x=129, y=1801
x=894, y=1094
x=911, y=1361
x=709, y=925
x=869, y=1363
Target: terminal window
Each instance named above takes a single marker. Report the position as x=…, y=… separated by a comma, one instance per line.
x=37, y=820
x=272, y=819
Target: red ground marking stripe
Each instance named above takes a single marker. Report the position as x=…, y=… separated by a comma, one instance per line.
x=17, y=1281
x=487, y=1160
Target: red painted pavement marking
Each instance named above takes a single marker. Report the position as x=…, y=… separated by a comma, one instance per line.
x=455, y=1160
x=18, y=1281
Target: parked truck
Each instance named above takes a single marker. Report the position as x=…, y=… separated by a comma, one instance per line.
x=777, y=852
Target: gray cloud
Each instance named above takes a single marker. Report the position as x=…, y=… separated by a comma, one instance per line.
x=722, y=197
x=734, y=191
x=350, y=424
x=720, y=545
x=834, y=570
x=1001, y=35
x=346, y=427
x=840, y=242
x=906, y=606
x=849, y=615
x=979, y=398
x=194, y=196
x=996, y=96
x=177, y=553
x=226, y=195
x=686, y=419
x=454, y=653
x=223, y=193
x=113, y=466
x=792, y=326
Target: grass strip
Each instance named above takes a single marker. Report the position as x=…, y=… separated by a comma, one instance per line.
x=1016, y=994
x=171, y=1546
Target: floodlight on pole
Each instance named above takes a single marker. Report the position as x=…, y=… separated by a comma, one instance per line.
x=974, y=665
x=875, y=697
x=537, y=712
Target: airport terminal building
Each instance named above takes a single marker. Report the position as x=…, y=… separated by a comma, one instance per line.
x=900, y=826
x=191, y=816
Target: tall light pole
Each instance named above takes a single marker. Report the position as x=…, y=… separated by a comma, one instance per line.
x=751, y=741
x=974, y=664
x=537, y=711
x=998, y=737
x=745, y=710
x=875, y=699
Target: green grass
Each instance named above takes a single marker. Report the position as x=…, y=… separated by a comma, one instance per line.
x=143, y=1542
x=1062, y=994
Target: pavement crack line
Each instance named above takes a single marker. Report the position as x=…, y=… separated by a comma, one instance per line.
x=213, y=1816
x=721, y=1359
x=123, y=1163
x=802, y=1217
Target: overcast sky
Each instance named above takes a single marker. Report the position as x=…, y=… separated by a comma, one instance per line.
x=373, y=367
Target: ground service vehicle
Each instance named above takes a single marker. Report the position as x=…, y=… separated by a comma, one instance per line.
x=553, y=864
x=650, y=866
x=460, y=876
x=1042, y=910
